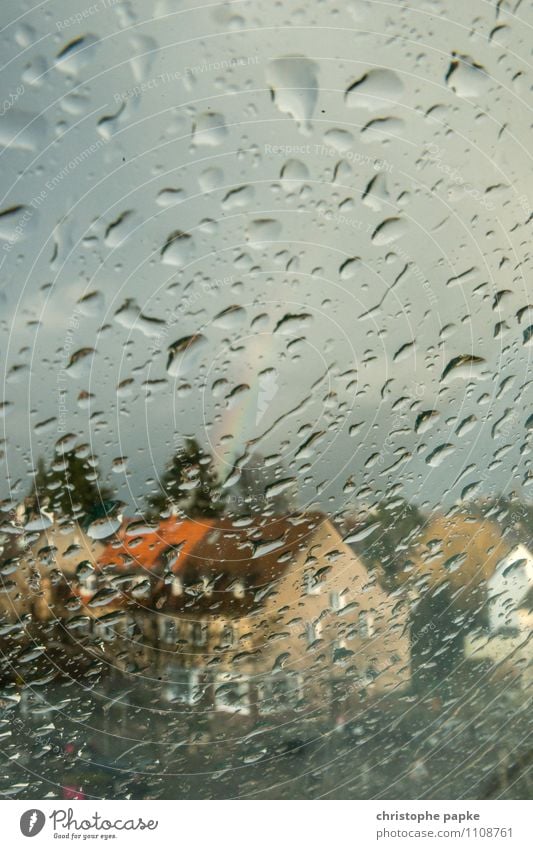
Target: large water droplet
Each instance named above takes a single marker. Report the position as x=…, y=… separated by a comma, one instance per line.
x=377, y=89
x=294, y=86
x=466, y=78
x=178, y=249
x=389, y=231
x=22, y=130
x=184, y=354
x=464, y=366
x=209, y=129
x=77, y=54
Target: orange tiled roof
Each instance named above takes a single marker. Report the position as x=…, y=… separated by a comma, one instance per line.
x=133, y=548
x=221, y=551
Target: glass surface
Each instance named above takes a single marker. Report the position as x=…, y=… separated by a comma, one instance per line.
x=266, y=324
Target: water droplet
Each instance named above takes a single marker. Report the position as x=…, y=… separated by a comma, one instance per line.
x=374, y=91
x=230, y=318
x=17, y=223
x=211, y=179
x=293, y=323
x=293, y=175
x=184, y=354
x=209, y=130
x=145, y=49
x=350, y=268
x=436, y=457
x=92, y=304
x=425, y=420
x=178, y=249
x=464, y=366
x=77, y=54
x=389, y=231
x=120, y=229
x=263, y=230
x=466, y=78
x=238, y=198
x=22, y=130
x=129, y=315
x=404, y=352
x=294, y=86
x=80, y=362
x=170, y=197
x=361, y=533
x=340, y=140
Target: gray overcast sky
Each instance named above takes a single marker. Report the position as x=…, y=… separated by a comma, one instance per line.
x=172, y=168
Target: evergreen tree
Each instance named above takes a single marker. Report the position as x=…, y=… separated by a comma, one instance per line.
x=509, y=512
x=389, y=547
x=252, y=487
x=190, y=484
x=70, y=487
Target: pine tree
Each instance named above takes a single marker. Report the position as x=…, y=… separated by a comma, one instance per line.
x=190, y=483
x=509, y=512
x=253, y=484
x=389, y=546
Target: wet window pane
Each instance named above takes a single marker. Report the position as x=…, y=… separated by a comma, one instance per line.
x=266, y=517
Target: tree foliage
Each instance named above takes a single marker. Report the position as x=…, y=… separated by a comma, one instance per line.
x=190, y=484
x=69, y=487
x=398, y=523
x=252, y=494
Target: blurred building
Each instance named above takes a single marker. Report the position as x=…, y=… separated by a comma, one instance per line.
x=250, y=617
x=471, y=592
x=507, y=641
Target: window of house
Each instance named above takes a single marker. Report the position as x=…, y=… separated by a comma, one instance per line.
x=279, y=692
x=105, y=632
x=199, y=633
x=232, y=695
x=227, y=636
x=366, y=625
x=314, y=631
x=168, y=631
x=184, y=686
